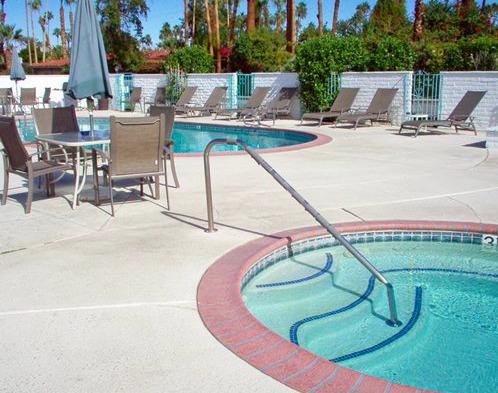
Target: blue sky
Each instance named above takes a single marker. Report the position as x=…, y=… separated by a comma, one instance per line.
x=171, y=10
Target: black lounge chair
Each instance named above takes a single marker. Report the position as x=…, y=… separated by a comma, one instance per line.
x=342, y=104
x=460, y=118
x=377, y=110
x=212, y=104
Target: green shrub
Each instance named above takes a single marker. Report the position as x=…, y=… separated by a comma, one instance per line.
x=479, y=53
x=391, y=54
x=262, y=51
x=190, y=60
x=317, y=58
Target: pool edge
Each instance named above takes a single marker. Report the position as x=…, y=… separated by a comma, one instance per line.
x=221, y=308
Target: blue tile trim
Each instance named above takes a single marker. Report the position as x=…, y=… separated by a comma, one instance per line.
x=390, y=340
x=325, y=269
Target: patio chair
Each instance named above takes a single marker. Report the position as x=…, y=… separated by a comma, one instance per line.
x=460, y=118
x=136, y=151
x=183, y=101
x=169, y=114
x=18, y=161
x=214, y=102
x=250, y=109
x=377, y=110
x=281, y=105
x=6, y=100
x=159, y=97
x=342, y=104
x=46, y=97
x=28, y=99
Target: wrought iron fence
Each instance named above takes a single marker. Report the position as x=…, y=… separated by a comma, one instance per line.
x=426, y=95
x=245, y=87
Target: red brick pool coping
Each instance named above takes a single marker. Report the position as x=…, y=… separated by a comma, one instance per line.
x=220, y=305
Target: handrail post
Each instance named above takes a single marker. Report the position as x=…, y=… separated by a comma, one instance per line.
x=393, y=313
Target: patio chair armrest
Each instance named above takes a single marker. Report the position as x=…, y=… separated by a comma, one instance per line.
x=43, y=149
x=102, y=154
x=169, y=142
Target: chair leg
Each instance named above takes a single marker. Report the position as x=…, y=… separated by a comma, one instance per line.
x=166, y=183
x=158, y=191
x=111, y=197
x=47, y=185
x=29, y=201
x=142, y=186
x=5, y=186
x=173, y=168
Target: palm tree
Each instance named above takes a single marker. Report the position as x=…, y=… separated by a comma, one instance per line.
x=44, y=22
x=264, y=12
x=194, y=5
x=217, y=50
x=209, y=29
x=35, y=6
x=251, y=16
x=2, y=25
x=320, y=17
x=63, y=30
x=279, y=14
x=301, y=13
x=418, y=24
x=185, y=21
x=27, y=32
x=336, y=16
x=291, y=26
x=57, y=34
x=71, y=17
x=233, y=22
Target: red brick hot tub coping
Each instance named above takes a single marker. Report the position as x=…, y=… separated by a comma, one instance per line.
x=221, y=308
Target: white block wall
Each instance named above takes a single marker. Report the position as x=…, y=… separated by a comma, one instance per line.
x=277, y=80
x=369, y=82
x=207, y=82
x=455, y=84
x=39, y=82
x=149, y=83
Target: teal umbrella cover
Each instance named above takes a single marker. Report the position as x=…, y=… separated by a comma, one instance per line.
x=89, y=75
x=16, y=70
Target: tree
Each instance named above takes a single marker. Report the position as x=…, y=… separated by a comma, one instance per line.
x=233, y=21
x=57, y=34
x=251, y=16
x=71, y=14
x=167, y=37
x=209, y=28
x=186, y=22
x=291, y=26
x=418, y=24
x=35, y=6
x=193, y=59
x=118, y=19
x=63, y=30
x=217, y=49
x=336, y=16
x=279, y=14
x=389, y=17
x=301, y=13
x=357, y=24
x=27, y=32
x=320, y=17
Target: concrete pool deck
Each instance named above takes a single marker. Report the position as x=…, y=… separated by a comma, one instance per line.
x=101, y=304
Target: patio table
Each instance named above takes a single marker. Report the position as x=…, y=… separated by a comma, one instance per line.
x=78, y=142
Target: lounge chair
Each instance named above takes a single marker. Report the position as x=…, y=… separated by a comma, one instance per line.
x=281, y=104
x=212, y=104
x=159, y=97
x=136, y=151
x=460, y=118
x=18, y=161
x=342, y=104
x=135, y=99
x=181, y=105
x=169, y=114
x=377, y=110
x=252, y=107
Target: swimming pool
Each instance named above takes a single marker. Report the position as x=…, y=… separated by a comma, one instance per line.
x=317, y=296
x=193, y=138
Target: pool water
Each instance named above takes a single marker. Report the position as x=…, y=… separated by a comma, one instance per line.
x=447, y=297
x=193, y=138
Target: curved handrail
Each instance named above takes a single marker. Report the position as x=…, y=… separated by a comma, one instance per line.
x=393, y=319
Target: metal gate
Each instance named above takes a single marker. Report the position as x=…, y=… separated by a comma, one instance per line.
x=333, y=86
x=245, y=87
x=426, y=95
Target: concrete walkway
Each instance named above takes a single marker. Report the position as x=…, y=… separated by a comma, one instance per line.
x=92, y=303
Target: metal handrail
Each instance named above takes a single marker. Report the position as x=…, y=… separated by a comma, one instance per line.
x=393, y=318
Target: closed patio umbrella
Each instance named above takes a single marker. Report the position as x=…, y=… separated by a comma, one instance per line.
x=88, y=75
x=16, y=71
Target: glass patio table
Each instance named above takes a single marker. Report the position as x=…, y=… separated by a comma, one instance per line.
x=79, y=143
